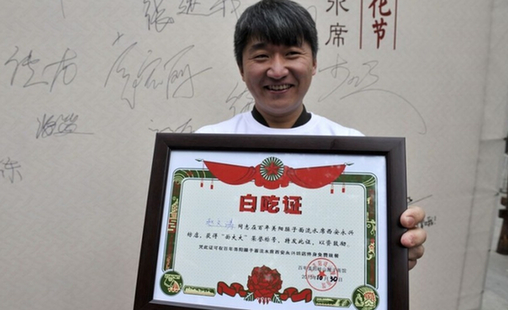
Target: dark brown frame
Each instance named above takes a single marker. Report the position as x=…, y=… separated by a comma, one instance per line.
x=393, y=149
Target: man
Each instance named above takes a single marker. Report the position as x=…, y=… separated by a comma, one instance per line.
x=275, y=48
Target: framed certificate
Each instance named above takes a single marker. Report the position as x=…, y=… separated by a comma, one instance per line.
x=274, y=222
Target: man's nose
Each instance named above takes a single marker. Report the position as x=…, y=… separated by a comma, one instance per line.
x=278, y=68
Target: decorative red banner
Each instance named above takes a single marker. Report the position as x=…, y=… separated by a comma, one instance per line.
x=272, y=174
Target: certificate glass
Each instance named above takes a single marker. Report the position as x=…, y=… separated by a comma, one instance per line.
x=264, y=222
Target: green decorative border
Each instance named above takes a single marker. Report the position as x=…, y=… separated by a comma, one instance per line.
x=367, y=180
x=370, y=182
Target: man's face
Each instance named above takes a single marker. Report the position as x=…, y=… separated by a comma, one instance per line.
x=277, y=76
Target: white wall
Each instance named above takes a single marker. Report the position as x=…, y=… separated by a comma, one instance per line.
x=84, y=86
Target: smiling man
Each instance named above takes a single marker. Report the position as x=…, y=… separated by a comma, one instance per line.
x=276, y=47
x=278, y=76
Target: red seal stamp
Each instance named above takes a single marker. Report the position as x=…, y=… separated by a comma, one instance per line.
x=322, y=274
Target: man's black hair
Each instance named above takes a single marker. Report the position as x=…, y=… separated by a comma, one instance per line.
x=279, y=22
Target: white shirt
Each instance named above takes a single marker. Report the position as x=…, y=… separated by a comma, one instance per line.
x=245, y=123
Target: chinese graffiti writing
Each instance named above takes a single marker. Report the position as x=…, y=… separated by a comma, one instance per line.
x=30, y=71
x=428, y=222
x=194, y=7
x=9, y=170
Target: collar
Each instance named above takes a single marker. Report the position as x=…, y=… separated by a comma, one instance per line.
x=302, y=119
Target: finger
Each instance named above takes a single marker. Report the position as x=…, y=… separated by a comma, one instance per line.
x=412, y=216
x=416, y=253
x=411, y=264
x=413, y=237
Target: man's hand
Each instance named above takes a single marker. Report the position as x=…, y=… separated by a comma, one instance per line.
x=414, y=238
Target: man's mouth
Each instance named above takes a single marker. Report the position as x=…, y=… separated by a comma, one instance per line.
x=279, y=87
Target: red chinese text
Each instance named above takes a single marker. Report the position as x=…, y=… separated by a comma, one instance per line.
x=381, y=14
x=271, y=204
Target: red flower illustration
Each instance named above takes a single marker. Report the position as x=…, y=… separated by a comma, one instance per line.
x=264, y=283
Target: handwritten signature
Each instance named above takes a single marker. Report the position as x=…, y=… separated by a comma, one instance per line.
x=178, y=81
x=155, y=15
x=237, y=97
x=63, y=9
x=60, y=125
x=185, y=127
x=66, y=69
x=428, y=222
x=228, y=224
x=188, y=7
x=351, y=83
x=10, y=170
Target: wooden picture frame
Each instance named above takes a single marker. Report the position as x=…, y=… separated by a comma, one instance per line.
x=256, y=222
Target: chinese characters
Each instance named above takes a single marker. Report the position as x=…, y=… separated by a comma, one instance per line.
x=373, y=21
x=380, y=13
x=10, y=170
x=428, y=222
x=337, y=31
x=30, y=72
x=194, y=7
x=270, y=204
x=247, y=237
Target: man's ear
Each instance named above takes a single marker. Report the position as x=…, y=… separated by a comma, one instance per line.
x=240, y=68
x=314, y=66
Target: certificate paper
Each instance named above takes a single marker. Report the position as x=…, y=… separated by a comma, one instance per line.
x=253, y=246
x=250, y=229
